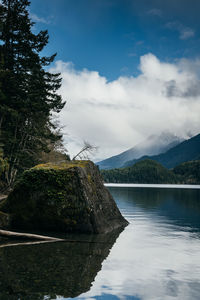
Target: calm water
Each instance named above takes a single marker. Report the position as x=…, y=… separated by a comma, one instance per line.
x=156, y=257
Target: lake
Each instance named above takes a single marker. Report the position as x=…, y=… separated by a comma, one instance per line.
x=156, y=257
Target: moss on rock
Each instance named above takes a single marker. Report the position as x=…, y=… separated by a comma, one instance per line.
x=66, y=197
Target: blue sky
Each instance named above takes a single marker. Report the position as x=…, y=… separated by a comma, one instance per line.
x=111, y=35
x=130, y=68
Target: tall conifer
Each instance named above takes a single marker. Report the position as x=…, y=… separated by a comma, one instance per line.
x=28, y=92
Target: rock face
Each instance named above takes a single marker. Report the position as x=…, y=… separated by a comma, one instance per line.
x=68, y=197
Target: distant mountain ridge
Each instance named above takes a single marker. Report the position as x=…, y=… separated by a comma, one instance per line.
x=151, y=172
x=186, y=151
x=153, y=145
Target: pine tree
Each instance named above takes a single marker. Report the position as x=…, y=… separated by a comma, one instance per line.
x=1, y=77
x=28, y=91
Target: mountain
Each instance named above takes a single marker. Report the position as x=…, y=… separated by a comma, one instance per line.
x=153, y=145
x=183, y=152
x=150, y=171
x=145, y=171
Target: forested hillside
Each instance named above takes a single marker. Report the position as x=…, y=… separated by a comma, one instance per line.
x=146, y=171
x=149, y=171
x=189, y=172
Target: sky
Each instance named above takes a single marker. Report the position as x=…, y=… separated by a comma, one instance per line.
x=130, y=68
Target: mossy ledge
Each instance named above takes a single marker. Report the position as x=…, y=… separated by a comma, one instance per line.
x=67, y=197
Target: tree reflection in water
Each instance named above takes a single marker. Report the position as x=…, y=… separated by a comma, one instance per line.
x=44, y=271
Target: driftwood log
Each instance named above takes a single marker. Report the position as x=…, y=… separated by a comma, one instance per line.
x=30, y=236
x=12, y=244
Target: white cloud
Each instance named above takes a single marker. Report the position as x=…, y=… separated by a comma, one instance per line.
x=184, y=32
x=38, y=19
x=117, y=115
x=142, y=263
x=155, y=12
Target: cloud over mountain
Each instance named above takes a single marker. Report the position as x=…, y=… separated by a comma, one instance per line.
x=118, y=114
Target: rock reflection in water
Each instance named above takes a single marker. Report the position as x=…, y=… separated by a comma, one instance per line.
x=43, y=271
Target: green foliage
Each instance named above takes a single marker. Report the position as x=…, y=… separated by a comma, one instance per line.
x=146, y=171
x=28, y=91
x=189, y=172
x=149, y=171
x=1, y=147
x=3, y=166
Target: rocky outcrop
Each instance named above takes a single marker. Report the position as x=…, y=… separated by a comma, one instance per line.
x=68, y=197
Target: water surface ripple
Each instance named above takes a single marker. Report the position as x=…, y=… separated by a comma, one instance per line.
x=158, y=254
x=157, y=257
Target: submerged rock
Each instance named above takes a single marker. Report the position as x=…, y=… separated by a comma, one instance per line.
x=68, y=197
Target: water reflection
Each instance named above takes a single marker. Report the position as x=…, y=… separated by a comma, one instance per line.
x=158, y=255
x=44, y=271
x=180, y=206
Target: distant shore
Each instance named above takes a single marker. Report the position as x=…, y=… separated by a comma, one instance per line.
x=164, y=186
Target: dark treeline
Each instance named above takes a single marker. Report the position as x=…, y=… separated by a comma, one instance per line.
x=28, y=92
x=149, y=171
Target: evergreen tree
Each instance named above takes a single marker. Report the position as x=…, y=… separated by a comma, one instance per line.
x=1, y=77
x=28, y=95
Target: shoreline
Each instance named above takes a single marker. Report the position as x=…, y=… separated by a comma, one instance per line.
x=164, y=186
